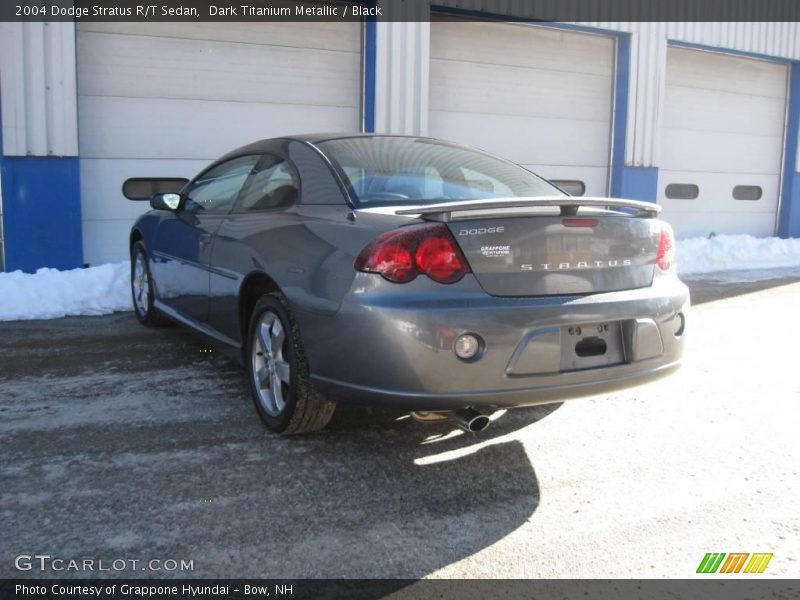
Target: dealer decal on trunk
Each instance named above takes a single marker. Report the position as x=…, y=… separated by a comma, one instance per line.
x=493, y=251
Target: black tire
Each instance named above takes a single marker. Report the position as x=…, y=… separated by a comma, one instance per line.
x=143, y=306
x=304, y=409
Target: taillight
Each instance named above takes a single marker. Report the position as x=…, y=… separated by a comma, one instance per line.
x=665, y=256
x=404, y=253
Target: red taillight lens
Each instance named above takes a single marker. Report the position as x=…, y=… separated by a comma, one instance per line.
x=394, y=262
x=403, y=254
x=440, y=260
x=665, y=255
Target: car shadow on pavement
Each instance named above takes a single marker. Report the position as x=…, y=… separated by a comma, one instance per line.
x=108, y=453
x=391, y=497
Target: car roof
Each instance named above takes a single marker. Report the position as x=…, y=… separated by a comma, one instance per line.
x=324, y=137
x=266, y=145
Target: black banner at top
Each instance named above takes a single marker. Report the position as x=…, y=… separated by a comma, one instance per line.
x=398, y=10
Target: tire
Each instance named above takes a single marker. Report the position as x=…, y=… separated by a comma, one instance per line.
x=142, y=289
x=277, y=372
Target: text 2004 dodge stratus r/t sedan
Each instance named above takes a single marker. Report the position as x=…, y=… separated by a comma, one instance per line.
x=409, y=272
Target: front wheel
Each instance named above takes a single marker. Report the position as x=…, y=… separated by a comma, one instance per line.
x=277, y=371
x=142, y=289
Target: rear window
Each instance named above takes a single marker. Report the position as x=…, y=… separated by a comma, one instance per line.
x=393, y=171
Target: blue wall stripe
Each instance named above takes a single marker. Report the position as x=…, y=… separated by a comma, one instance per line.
x=370, y=60
x=639, y=183
x=42, y=212
x=789, y=217
x=3, y=192
x=621, y=84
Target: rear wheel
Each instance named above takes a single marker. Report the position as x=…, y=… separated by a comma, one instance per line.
x=278, y=372
x=142, y=289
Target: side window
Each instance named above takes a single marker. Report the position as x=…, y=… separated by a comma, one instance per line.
x=359, y=178
x=274, y=184
x=216, y=190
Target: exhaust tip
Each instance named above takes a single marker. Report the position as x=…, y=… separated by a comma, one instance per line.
x=479, y=423
x=471, y=420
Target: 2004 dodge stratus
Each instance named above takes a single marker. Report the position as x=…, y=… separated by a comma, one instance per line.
x=409, y=272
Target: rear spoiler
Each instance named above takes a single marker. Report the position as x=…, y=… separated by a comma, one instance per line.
x=569, y=206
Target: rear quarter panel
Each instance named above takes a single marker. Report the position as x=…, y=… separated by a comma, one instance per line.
x=308, y=251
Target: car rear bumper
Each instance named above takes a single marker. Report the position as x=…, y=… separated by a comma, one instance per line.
x=393, y=345
x=505, y=398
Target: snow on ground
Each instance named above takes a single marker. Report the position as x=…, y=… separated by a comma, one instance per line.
x=50, y=294
x=736, y=253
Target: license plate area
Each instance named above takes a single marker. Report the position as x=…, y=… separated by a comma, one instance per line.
x=591, y=345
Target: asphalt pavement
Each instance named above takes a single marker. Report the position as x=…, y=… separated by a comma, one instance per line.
x=125, y=443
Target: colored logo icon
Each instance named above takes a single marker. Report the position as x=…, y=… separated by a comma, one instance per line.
x=737, y=562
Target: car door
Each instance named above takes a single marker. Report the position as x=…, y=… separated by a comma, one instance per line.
x=239, y=247
x=181, y=252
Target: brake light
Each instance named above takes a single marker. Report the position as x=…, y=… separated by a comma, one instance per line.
x=665, y=255
x=400, y=255
x=579, y=222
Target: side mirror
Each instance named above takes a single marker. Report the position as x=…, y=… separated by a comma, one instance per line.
x=166, y=201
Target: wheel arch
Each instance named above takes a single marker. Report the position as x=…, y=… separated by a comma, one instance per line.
x=253, y=287
x=136, y=236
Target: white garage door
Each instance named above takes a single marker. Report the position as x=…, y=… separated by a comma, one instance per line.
x=541, y=97
x=721, y=144
x=164, y=99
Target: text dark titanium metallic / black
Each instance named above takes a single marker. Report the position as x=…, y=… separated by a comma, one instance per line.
x=409, y=272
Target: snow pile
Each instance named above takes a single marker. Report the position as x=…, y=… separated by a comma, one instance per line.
x=735, y=252
x=50, y=293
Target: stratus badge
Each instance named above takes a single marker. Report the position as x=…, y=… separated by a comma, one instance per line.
x=566, y=266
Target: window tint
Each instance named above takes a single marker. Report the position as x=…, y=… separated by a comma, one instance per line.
x=216, y=190
x=144, y=188
x=747, y=192
x=396, y=170
x=573, y=187
x=274, y=184
x=682, y=191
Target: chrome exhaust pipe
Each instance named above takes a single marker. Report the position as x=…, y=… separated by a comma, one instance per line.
x=471, y=420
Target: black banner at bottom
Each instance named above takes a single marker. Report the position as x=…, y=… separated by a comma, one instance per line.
x=399, y=589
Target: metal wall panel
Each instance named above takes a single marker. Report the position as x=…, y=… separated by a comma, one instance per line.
x=164, y=99
x=648, y=68
x=538, y=96
x=38, y=87
x=723, y=127
x=402, y=77
x=402, y=49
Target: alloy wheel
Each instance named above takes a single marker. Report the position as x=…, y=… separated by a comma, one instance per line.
x=141, y=285
x=271, y=371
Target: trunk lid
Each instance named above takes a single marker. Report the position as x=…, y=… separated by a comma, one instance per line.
x=547, y=254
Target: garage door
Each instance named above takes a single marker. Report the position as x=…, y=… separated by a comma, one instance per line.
x=721, y=143
x=541, y=97
x=164, y=99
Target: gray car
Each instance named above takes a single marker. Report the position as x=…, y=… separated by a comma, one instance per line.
x=409, y=272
